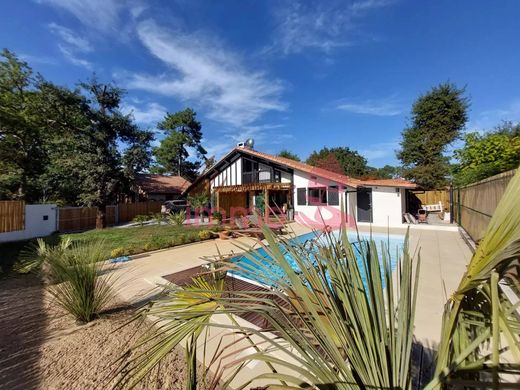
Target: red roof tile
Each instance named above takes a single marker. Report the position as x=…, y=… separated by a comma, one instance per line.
x=162, y=184
x=320, y=172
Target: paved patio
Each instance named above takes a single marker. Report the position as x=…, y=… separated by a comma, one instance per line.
x=444, y=256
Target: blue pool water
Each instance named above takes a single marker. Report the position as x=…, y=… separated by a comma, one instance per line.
x=394, y=243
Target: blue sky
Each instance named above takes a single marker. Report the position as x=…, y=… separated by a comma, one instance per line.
x=290, y=74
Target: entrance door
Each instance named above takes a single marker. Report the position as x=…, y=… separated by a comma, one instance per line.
x=364, y=204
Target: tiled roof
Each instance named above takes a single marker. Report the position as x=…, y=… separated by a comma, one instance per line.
x=320, y=172
x=162, y=184
x=315, y=171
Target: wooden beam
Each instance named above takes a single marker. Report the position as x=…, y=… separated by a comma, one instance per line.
x=254, y=187
x=266, y=204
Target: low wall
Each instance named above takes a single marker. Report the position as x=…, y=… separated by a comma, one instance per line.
x=40, y=221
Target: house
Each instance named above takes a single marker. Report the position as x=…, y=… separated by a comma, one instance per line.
x=247, y=178
x=161, y=187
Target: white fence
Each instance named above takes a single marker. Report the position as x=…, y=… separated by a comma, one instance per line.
x=40, y=221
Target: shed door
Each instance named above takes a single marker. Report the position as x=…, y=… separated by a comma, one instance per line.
x=364, y=204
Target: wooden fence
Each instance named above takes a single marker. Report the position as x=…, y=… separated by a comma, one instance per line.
x=434, y=197
x=12, y=216
x=474, y=205
x=73, y=219
x=128, y=211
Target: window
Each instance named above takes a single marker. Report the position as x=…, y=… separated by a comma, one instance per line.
x=301, y=196
x=277, y=176
x=333, y=196
x=317, y=196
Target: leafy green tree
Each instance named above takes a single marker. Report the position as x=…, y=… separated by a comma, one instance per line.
x=182, y=130
x=438, y=118
x=389, y=172
x=22, y=151
x=288, y=154
x=351, y=162
x=99, y=150
x=488, y=154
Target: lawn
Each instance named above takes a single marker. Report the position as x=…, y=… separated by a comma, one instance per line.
x=118, y=241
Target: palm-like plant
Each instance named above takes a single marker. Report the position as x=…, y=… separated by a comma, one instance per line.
x=481, y=326
x=77, y=275
x=332, y=322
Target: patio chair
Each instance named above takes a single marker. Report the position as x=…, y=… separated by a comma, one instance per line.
x=275, y=227
x=422, y=216
x=409, y=218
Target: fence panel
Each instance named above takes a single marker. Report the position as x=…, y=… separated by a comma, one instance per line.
x=73, y=219
x=434, y=197
x=474, y=205
x=128, y=211
x=12, y=216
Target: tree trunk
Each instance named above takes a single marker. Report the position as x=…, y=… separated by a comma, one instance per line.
x=101, y=220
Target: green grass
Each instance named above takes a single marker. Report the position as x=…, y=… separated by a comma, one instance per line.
x=132, y=240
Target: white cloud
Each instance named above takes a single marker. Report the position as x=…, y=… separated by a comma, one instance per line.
x=149, y=114
x=202, y=71
x=380, y=151
x=97, y=14
x=384, y=107
x=488, y=119
x=318, y=24
x=71, y=56
x=70, y=38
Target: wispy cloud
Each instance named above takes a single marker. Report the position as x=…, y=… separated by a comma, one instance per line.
x=380, y=151
x=97, y=14
x=380, y=107
x=72, y=45
x=202, y=71
x=488, y=119
x=319, y=25
x=148, y=114
x=70, y=38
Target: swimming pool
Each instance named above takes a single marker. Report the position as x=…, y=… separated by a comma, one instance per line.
x=264, y=263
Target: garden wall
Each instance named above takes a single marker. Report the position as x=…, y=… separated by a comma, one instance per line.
x=39, y=221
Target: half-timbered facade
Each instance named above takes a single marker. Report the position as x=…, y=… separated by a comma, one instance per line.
x=246, y=178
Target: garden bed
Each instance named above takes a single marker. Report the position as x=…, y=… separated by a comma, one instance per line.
x=127, y=241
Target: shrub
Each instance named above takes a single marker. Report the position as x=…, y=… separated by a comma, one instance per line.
x=177, y=219
x=117, y=252
x=217, y=216
x=77, y=268
x=205, y=234
x=148, y=246
x=141, y=219
x=159, y=218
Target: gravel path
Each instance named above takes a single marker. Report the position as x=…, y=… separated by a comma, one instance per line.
x=41, y=348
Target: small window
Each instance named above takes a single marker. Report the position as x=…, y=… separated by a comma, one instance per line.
x=277, y=176
x=333, y=196
x=302, y=196
x=317, y=196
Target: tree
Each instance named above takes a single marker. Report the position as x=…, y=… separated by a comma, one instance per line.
x=351, y=162
x=22, y=152
x=330, y=163
x=287, y=154
x=389, y=172
x=182, y=130
x=488, y=154
x=438, y=118
x=209, y=162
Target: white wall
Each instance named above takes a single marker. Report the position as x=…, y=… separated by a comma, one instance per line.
x=35, y=225
x=387, y=206
x=230, y=176
x=311, y=214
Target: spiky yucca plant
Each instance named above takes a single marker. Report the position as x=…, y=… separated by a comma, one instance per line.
x=77, y=275
x=481, y=326
x=331, y=322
